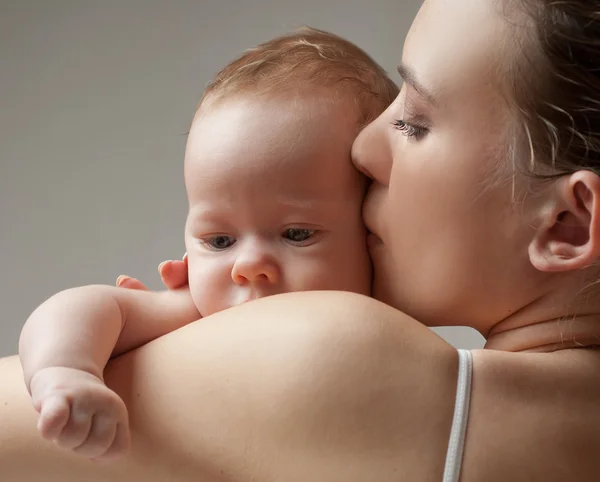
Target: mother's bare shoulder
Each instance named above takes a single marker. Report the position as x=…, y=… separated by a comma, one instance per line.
x=293, y=387
x=308, y=386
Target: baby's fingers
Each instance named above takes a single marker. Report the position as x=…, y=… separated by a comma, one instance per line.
x=120, y=444
x=174, y=274
x=54, y=416
x=100, y=437
x=130, y=283
x=76, y=431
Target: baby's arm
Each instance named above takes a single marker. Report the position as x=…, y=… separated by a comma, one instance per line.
x=65, y=345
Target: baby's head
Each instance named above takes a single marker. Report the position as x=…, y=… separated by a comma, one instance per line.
x=274, y=201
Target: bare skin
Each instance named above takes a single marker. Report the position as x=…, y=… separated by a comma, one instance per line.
x=256, y=404
x=267, y=415
x=275, y=213
x=336, y=386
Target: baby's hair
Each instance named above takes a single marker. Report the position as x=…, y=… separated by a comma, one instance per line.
x=307, y=58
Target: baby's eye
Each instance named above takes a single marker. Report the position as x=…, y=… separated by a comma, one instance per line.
x=298, y=236
x=219, y=243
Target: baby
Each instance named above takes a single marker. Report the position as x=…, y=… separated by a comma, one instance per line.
x=274, y=207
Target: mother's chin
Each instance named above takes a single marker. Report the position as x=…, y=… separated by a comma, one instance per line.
x=384, y=274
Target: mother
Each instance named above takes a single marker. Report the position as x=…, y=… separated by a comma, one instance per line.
x=486, y=212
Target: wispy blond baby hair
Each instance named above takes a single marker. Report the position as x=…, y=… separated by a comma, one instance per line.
x=307, y=58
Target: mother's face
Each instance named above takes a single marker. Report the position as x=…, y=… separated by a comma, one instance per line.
x=450, y=247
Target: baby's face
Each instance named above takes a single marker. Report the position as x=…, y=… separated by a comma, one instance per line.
x=274, y=201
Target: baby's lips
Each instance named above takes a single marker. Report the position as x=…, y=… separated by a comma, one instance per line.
x=249, y=296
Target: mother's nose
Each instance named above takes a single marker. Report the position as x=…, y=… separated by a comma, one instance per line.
x=371, y=151
x=255, y=265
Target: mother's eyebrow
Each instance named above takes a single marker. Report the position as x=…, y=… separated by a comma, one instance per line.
x=409, y=76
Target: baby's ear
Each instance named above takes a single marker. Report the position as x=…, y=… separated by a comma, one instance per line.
x=569, y=236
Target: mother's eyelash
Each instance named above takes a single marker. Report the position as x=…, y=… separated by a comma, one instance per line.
x=410, y=130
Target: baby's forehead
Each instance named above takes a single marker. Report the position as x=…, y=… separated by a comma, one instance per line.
x=275, y=145
x=271, y=130
x=276, y=195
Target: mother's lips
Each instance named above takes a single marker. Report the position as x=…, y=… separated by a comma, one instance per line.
x=373, y=240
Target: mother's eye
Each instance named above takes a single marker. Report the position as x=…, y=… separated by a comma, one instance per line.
x=410, y=130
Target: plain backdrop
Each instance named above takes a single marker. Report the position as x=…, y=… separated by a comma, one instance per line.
x=95, y=97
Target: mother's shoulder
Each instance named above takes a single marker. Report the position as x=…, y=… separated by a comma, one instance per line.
x=312, y=372
x=354, y=321
x=321, y=338
x=316, y=338
x=334, y=307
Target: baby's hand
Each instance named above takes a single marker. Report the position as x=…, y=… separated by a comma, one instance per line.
x=79, y=412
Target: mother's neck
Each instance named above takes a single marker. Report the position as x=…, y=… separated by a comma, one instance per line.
x=558, y=320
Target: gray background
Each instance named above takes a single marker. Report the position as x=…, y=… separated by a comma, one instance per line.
x=94, y=99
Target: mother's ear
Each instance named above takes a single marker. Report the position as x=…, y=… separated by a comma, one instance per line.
x=568, y=237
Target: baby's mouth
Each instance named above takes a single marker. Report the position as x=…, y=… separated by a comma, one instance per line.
x=248, y=296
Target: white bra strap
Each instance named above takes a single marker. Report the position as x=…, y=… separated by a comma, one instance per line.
x=461, y=414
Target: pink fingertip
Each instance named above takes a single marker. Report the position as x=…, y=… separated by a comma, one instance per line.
x=122, y=279
x=162, y=265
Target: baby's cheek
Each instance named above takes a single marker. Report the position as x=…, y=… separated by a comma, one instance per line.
x=350, y=264
x=209, y=285
x=324, y=270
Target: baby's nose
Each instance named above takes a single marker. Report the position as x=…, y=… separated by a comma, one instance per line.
x=255, y=266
